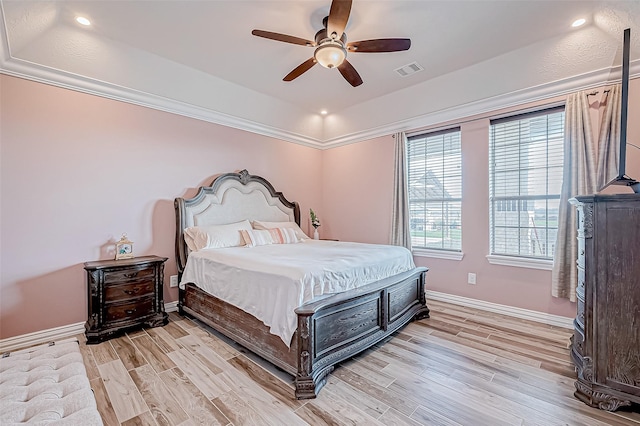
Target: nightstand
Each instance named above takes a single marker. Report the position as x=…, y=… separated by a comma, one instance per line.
x=124, y=294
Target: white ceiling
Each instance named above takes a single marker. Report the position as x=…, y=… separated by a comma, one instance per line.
x=198, y=58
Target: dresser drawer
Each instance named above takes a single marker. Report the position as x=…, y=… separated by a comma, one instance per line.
x=129, y=275
x=116, y=293
x=127, y=311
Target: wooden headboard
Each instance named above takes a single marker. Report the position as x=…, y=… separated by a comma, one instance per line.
x=230, y=198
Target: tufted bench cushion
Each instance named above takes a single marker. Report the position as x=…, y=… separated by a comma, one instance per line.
x=46, y=384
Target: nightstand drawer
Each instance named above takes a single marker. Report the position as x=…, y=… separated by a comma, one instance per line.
x=123, y=294
x=115, y=293
x=128, y=311
x=130, y=275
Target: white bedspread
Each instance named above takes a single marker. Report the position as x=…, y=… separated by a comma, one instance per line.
x=270, y=281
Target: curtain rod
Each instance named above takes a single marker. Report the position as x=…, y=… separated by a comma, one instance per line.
x=595, y=92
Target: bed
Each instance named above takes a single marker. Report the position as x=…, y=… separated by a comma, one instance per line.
x=328, y=328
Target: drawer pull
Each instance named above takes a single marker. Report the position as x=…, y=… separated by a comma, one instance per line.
x=132, y=291
x=131, y=275
x=129, y=311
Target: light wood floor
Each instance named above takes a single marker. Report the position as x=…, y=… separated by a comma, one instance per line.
x=460, y=367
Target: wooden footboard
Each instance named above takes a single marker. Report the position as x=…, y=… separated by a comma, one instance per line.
x=239, y=326
x=339, y=327
x=329, y=331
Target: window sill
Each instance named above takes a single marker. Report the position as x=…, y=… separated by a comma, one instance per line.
x=520, y=262
x=438, y=254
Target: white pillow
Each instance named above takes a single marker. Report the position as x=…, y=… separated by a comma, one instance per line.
x=215, y=236
x=261, y=237
x=257, y=224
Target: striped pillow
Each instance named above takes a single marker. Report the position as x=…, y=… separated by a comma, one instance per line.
x=254, y=237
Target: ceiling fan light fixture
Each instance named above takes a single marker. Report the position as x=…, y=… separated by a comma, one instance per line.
x=578, y=22
x=331, y=46
x=330, y=54
x=83, y=21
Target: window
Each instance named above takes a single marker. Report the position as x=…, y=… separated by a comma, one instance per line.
x=434, y=179
x=525, y=179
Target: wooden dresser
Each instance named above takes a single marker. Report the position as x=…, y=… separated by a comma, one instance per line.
x=606, y=341
x=124, y=294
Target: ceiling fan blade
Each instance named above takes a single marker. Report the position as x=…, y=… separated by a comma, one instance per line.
x=349, y=73
x=338, y=17
x=380, y=45
x=300, y=69
x=283, y=37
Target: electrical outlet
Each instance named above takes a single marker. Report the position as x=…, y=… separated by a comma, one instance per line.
x=173, y=281
x=472, y=278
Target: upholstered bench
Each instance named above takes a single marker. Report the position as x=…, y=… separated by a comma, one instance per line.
x=46, y=384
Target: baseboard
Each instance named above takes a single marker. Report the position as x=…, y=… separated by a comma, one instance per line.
x=511, y=311
x=171, y=306
x=43, y=336
x=56, y=333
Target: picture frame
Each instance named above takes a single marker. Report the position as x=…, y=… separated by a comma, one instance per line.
x=124, y=248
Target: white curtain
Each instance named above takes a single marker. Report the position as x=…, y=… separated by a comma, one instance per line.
x=579, y=178
x=400, y=230
x=609, y=139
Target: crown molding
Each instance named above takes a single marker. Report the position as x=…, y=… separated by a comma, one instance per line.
x=55, y=77
x=48, y=75
x=28, y=70
x=35, y=72
x=541, y=92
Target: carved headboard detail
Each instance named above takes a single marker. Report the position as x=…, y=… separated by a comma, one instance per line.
x=231, y=197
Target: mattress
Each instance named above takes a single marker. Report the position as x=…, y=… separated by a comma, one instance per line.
x=271, y=281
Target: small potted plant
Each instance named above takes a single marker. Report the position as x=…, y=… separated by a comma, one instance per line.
x=315, y=222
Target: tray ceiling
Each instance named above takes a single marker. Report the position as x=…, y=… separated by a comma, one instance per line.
x=198, y=58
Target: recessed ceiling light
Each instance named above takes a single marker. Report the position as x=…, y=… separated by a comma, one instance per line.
x=324, y=112
x=578, y=22
x=82, y=20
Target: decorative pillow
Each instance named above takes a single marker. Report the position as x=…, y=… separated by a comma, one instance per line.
x=215, y=236
x=261, y=237
x=257, y=224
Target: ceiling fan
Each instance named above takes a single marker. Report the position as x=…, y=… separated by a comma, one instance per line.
x=332, y=47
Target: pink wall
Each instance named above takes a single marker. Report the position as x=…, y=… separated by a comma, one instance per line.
x=357, y=194
x=356, y=191
x=79, y=170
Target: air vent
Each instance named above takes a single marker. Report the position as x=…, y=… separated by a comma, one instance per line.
x=409, y=69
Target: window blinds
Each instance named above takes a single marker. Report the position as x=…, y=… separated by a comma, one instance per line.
x=525, y=180
x=434, y=176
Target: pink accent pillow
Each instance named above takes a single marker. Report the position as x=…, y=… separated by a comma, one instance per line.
x=255, y=237
x=215, y=236
x=257, y=224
